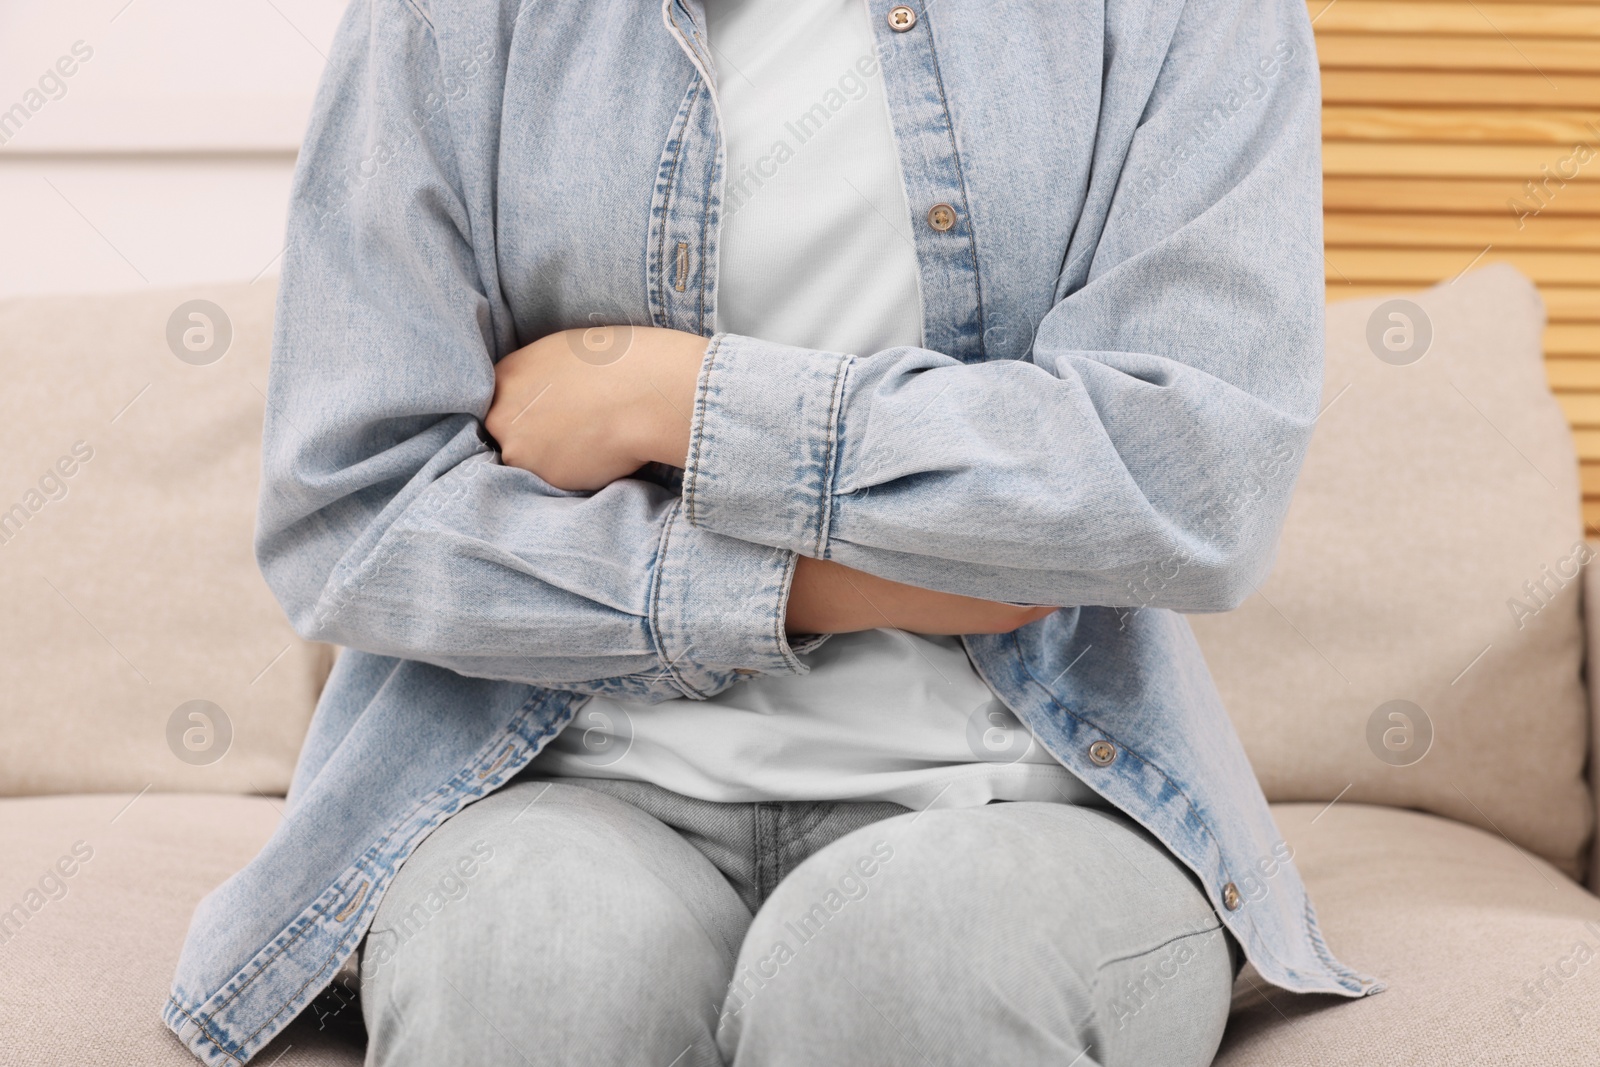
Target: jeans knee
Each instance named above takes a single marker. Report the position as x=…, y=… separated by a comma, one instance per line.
x=577, y=940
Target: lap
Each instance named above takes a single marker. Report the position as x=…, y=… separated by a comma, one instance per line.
x=1017, y=933
x=552, y=923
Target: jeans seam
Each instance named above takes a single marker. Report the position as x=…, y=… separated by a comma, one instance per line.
x=768, y=861
x=1157, y=948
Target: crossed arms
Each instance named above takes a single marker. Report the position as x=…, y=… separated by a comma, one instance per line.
x=1115, y=460
x=601, y=421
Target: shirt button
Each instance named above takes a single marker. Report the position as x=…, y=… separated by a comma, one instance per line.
x=901, y=18
x=1102, y=753
x=1230, y=897
x=941, y=217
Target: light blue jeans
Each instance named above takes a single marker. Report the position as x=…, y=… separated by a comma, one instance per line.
x=610, y=923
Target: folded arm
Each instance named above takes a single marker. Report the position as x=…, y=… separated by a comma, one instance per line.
x=387, y=522
x=1146, y=452
x=583, y=423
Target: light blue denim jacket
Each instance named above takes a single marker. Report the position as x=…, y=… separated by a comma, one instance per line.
x=1121, y=372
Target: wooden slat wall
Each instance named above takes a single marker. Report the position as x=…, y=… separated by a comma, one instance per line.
x=1436, y=116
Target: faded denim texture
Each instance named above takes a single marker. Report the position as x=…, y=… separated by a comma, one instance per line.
x=1123, y=367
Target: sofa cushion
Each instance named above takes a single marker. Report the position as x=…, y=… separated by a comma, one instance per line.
x=1418, y=642
x=141, y=647
x=1490, y=955
x=97, y=893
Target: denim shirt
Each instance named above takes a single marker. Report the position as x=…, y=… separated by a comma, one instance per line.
x=1122, y=298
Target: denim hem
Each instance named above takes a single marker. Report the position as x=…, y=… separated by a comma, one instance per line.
x=207, y=1027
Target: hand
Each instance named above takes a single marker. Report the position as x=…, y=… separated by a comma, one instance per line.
x=829, y=598
x=582, y=408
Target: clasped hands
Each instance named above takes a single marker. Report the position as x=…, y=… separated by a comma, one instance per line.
x=582, y=408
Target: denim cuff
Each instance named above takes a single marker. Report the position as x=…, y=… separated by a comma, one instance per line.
x=717, y=607
x=764, y=443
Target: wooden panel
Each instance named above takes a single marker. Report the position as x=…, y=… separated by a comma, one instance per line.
x=1588, y=442
x=1452, y=124
x=1571, y=305
x=1456, y=134
x=1589, y=475
x=1562, y=303
x=1582, y=409
x=1452, y=195
x=1517, y=163
x=1572, y=339
x=1407, y=266
x=1450, y=88
x=1538, y=55
x=1488, y=20
x=1573, y=373
x=1461, y=231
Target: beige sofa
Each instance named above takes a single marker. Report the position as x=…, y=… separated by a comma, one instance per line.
x=1425, y=739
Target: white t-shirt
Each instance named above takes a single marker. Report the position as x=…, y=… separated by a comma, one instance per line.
x=816, y=251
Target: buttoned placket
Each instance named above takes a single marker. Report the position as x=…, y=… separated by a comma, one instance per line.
x=686, y=213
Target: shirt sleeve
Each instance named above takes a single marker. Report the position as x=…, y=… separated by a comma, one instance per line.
x=1144, y=453
x=386, y=521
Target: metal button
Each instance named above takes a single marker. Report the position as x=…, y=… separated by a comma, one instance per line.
x=745, y=670
x=1230, y=897
x=1102, y=752
x=901, y=18
x=941, y=217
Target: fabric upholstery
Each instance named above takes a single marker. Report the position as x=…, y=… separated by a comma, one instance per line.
x=1486, y=949
x=1432, y=492
x=127, y=502
x=85, y=969
x=1491, y=955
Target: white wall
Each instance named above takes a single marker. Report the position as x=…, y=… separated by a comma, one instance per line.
x=164, y=158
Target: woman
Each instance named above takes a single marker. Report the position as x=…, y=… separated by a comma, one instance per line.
x=778, y=440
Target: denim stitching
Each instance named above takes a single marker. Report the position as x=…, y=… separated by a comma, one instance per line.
x=1318, y=945
x=705, y=227
x=515, y=725
x=961, y=181
x=205, y=1031
x=691, y=480
x=657, y=629
x=830, y=471
x=680, y=127
x=307, y=923
x=1129, y=750
x=780, y=616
